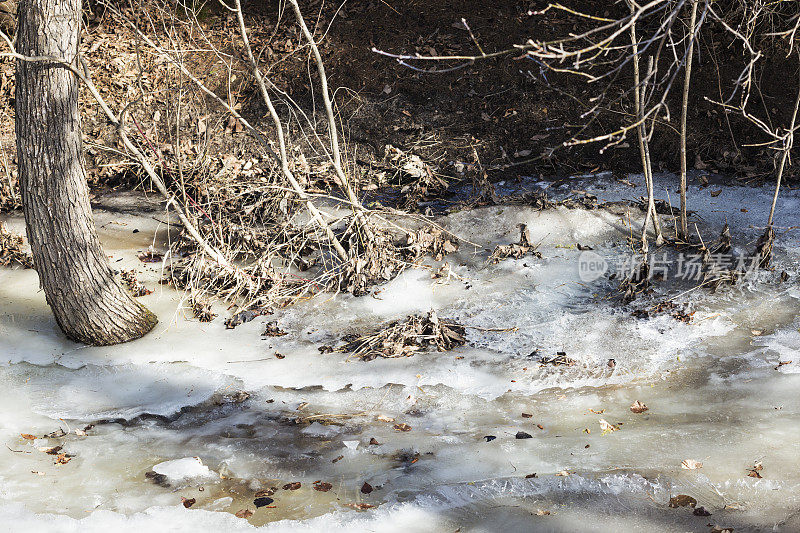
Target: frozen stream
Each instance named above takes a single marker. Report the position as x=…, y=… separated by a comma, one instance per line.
x=716, y=390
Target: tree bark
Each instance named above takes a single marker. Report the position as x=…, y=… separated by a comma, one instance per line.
x=88, y=302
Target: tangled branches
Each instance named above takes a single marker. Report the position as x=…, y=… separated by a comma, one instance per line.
x=406, y=337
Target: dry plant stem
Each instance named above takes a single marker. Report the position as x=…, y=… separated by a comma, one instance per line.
x=284, y=159
x=138, y=155
x=644, y=152
x=651, y=204
x=640, y=130
x=787, y=147
x=323, y=80
x=332, y=127
x=636, y=88
x=684, y=231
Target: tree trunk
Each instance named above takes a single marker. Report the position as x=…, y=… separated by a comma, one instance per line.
x=88, y=302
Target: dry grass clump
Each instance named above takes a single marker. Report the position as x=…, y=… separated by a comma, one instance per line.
x=404, y=338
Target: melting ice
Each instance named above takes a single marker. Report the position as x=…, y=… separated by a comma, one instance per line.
x=721, y=390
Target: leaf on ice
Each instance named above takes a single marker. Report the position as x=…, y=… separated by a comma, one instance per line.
x=682, y=500
x=50, y=450
x=263, y=501
x=607, y=426
x=322, y=486
x=63, y=459
x=359, y=506
x=754, y=471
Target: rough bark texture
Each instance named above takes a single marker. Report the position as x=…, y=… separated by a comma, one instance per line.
x=89, y=304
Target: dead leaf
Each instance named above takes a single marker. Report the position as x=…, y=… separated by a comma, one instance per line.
x=701, y=511
x=151, y=257
x=292, y=486
x=322, y=486
x=638, y=407
x=244, y=513
x=63, y=459
x=755, y=469
x=359, y=506
x=563, y=473
x=691, y=464
x=542, y=513
x=366, y=488
x=51, y=450
x=402, y=427
x=682, y=500
x=606, y=426
x=263, y=501
x=527, y=415
x=188, y=502
x=27, y=436
x=273, y=330
x=718, y=529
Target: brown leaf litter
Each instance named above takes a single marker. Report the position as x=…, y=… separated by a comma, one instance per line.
x=405, y=338
x=11, y=252
x=136, y=287
x=515, y=250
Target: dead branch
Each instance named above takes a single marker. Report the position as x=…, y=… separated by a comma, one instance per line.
x=684, y=110
x=284, y=158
